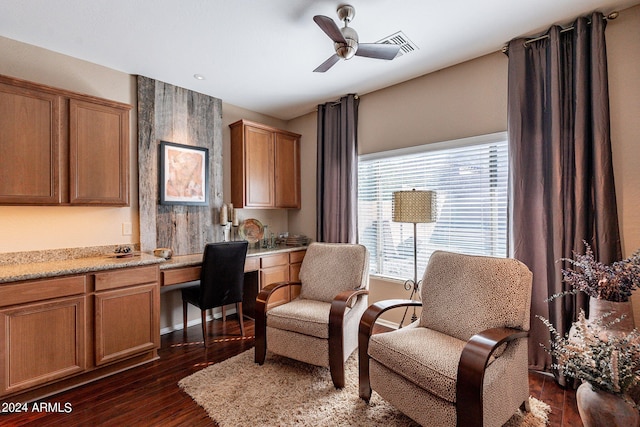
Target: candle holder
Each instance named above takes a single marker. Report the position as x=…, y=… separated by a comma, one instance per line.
x=225, y=232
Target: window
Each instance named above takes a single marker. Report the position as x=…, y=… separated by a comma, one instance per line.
x=470, y=179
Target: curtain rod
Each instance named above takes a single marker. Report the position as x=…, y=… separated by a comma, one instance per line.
x=611, y=16
x=337, y=102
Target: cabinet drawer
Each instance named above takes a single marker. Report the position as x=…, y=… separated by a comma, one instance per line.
x=126, y=277
x=180, y=275
x=273, y=260
x=296, y=256
x=39, y=290
x=252, y=264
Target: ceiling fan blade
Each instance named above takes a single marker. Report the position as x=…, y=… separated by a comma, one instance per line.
x=378, y=50
x=327, y=64
x=327, y=25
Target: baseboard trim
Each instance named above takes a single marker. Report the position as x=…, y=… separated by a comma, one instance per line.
x=178, y=327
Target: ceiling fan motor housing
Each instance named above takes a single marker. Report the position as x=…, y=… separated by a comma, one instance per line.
x=346, y=51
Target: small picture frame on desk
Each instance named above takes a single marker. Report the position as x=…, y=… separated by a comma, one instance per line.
x=184, y=172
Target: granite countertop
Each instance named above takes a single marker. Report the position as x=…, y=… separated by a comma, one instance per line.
x=39, y=270
x=195, y=259
x=44, y=269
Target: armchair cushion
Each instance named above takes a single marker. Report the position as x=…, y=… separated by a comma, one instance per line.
x=463, y=295
x=303, y=316
x=323, y=278
x=423, y=356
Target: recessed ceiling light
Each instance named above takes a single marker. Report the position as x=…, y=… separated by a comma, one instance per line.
x=198, y=76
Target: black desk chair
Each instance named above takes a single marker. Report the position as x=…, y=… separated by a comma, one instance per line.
x=221, y=282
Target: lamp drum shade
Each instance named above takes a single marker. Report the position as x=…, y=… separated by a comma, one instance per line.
x=413, y=206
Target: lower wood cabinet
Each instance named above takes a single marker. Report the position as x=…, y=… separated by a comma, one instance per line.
x=126, y=322
x=42, y=342
x=275, y=268
x=62, y=332
x=281, y=268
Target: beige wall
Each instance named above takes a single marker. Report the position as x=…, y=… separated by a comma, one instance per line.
x=471, y=99
x=623, y=55
x=24, y=228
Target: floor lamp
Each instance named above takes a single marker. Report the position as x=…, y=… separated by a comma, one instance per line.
x=416, y=207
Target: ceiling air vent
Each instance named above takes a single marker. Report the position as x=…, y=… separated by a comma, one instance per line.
x=399, y=38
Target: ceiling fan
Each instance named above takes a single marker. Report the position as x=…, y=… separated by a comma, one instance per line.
x=345, y=40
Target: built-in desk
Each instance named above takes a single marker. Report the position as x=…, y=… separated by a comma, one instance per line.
x=262, y=267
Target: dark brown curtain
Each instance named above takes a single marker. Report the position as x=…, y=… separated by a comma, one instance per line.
x=562, y=175
x=337, y=180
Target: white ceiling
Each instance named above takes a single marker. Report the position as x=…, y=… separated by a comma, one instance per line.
x=259, y=54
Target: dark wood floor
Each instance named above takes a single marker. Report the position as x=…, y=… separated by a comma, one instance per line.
x=149, y=395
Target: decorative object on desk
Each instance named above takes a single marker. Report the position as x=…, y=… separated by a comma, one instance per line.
x=184, y=170
x=123, y=251
x=608, y=364
x=165, y=253
x=234, y=217
x=296, y=240
x=251, y=230
x=417, y=207
x=298, y=394
x=265, y=237
x=223, y=219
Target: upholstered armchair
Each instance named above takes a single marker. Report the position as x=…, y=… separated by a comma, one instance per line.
x=320, y=326
x=464, y=361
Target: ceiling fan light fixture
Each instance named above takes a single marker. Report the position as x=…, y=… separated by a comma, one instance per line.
x=346, y=42
x=347, y=50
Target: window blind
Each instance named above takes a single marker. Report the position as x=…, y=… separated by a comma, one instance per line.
x=470, y=179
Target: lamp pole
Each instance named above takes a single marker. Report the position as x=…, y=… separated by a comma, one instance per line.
x=412, y=285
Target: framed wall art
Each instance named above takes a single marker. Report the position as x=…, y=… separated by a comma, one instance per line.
x=184, y=171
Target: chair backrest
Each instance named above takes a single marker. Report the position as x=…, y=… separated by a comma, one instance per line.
x=330, y=268
x=464, y=294
x=222, y=275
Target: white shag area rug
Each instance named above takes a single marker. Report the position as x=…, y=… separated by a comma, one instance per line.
x=284, y=392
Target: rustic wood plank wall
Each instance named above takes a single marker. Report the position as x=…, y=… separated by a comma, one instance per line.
x=174, y=114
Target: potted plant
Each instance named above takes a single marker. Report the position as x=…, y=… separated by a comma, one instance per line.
x=609, y=286
x=603, y=351
x=608, y=366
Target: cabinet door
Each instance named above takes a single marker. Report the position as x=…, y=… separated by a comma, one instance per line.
x=258, y=167
x=126, y=322
x=287, y=171
x=99, y=154
x=41, y=342
x=295, y=260
x=29, y=146
x=279, y=273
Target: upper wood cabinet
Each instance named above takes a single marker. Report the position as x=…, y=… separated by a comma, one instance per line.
x=99, y=154
x=265, y=166
x=60, y=147
x=29, y=145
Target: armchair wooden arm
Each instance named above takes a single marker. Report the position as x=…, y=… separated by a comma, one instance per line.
x=262, y=300
x=365, y=330
x=336, y=338
x=473, y=362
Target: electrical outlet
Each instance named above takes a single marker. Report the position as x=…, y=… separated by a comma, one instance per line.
x=126, y=229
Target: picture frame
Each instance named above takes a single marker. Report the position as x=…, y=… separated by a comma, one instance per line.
x=184, y=174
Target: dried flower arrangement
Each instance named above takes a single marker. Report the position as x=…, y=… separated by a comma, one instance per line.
x=613, y=282
x=608, y=362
